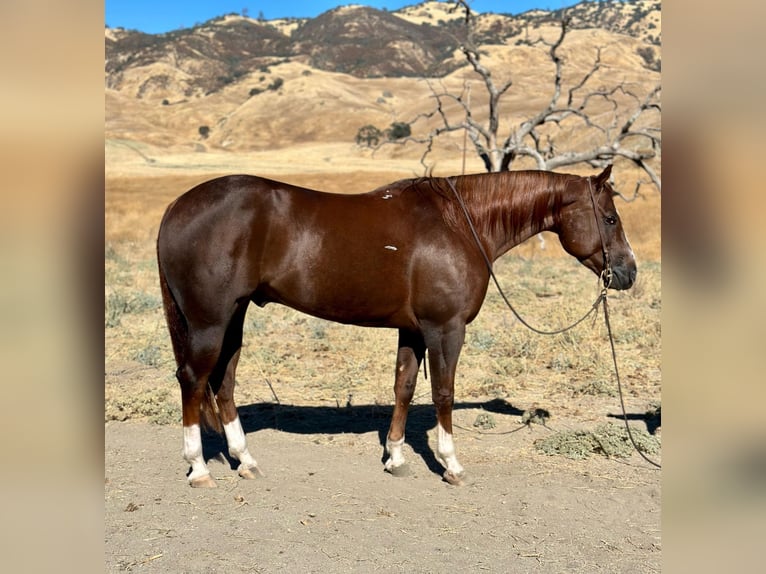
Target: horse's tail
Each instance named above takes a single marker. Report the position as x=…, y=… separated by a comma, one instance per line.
x=210, y=416
x=179, y=334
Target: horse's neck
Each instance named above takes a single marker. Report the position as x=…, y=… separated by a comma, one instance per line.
x=514, y=215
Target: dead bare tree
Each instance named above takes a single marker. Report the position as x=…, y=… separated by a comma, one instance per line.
x=625, y=132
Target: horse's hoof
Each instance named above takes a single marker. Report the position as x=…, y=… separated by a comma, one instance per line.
x=250, y=472
x=401, y=470
x=205, y=481
x=457, y=479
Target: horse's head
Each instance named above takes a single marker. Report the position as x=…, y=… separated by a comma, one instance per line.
x=590, y=230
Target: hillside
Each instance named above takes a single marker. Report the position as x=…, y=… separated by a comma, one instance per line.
x=239, y=84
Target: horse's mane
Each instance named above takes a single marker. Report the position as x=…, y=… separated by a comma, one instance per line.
x=499, y=201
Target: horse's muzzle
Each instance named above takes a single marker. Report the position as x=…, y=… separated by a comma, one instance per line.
x=623, y=276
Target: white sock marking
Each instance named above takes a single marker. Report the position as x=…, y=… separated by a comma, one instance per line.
x=395, y=454
x=445, y=451
x=235, y=437
x=193, y=452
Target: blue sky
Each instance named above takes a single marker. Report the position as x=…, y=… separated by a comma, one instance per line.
x=157, y=16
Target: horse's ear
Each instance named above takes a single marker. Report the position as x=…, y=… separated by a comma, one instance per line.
x=603, y=177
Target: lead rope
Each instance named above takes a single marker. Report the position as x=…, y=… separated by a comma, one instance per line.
x=619, y=388
x=606, y=280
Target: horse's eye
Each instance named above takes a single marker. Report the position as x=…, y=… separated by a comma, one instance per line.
x=610, y=219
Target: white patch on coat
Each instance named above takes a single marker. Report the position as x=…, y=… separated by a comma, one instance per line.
x=388, y=195
x=391, y=247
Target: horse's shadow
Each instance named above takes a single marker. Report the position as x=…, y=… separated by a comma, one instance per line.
x=653, y=420
x=360, y=419
x=349, y=419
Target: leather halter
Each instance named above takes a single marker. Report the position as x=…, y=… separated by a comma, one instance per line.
x=606, y=273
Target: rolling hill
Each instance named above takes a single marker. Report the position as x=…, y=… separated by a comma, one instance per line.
x=239, y=84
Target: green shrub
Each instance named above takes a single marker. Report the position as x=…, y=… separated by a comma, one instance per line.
x=398, y=130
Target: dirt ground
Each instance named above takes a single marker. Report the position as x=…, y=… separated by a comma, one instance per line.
x=326, y=505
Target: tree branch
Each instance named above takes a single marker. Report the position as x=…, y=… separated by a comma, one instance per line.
x=614, y=117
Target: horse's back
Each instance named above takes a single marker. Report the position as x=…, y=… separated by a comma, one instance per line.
x=221, y=211
x=217, y=196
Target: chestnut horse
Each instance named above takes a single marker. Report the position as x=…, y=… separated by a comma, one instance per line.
x=402, y=256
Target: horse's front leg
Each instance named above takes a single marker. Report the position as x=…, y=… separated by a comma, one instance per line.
x=232, y=426
x=444, y=347
x=409, y=356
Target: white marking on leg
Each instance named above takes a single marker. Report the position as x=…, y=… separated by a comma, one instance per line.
x=445, y=451
x=235, y=437
x=193, y=452
x=395, y=454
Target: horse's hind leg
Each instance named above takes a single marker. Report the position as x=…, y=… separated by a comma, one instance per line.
x=232, y=426
x=193, y=375
x=409, y=356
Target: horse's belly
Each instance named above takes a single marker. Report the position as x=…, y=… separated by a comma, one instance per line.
x=367, y=298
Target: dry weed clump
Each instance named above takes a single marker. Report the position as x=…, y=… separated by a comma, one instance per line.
x=120, y=303
x=155, y=405
x=596, y=387
x=484, y=421
x=608, y=439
